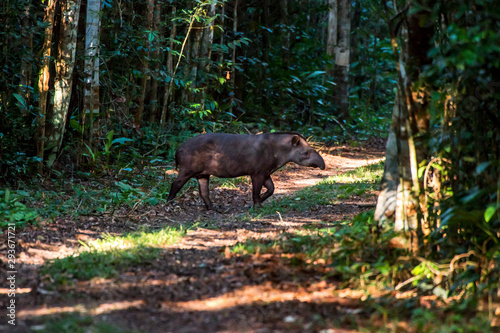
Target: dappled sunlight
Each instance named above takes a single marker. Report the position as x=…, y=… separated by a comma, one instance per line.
x=264, y=294
x=80, y=308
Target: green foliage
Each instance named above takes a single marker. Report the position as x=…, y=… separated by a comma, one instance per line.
x=464, y=141
x=13, y=212
x=110, y=255
x=425, y=321
x=75, y=323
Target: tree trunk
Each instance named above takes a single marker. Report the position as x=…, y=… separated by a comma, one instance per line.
x=220, y=56
x=412, y=120
x=156, y=57
x=44, y=79
x=26, y=59
x=138, y=115
x=194, y=59
x=63, y=82
x=387, y=199
x=342, y=51
x=331, y=42
x=286, y=34
x=206, y=50
x=207, y=41
x=165, y=114
x=91, y=78
x=233, y=57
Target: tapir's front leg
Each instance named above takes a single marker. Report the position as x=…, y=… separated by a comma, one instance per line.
x=268, y=183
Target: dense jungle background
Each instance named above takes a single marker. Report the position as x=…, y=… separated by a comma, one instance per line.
x=97, y=95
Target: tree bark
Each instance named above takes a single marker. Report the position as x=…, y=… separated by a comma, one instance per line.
x=91, y=75
x=138, y=115
x=165, y=114
x=206, y=51
x=387, y=199
x=412, y=121
x=44, y=79
x=331, y=42
x=286, y=34
x=342, y=50
x=156, y=68
x=26, y=58
x=233, y=57
x=63, y=82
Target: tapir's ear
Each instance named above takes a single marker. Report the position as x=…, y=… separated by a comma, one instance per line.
x=295, y=140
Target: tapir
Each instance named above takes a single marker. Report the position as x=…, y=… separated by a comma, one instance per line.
x=233, y=155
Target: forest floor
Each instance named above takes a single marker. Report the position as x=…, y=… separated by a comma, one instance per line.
x=198, y=284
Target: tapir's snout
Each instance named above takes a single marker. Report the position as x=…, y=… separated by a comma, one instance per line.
x=318, y=162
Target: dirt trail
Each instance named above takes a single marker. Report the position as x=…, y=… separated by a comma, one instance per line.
x=196, y=285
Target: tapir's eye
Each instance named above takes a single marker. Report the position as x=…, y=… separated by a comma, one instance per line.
x=306, y=153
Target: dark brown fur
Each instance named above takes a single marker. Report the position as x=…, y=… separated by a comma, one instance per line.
x=233, y=155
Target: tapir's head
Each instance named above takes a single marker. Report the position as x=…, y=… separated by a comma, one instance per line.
x=301, y=153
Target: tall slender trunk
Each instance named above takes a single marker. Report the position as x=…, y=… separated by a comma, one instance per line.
x=91, y=75
x=196, y=42
x=342, y=51
x=26, y=58
x=63, y=82
x=165, y=114
x=44, y=79
x=138, y=115
x=207, y=41
x=233, y=57
x=206, y=51
x=156, y=68
x=286, y=34
x=220, y=56
x=266, y=44
x=332, y=34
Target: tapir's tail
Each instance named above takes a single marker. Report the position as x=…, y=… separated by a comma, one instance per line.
x=177, y=160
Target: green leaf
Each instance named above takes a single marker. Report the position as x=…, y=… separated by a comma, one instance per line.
x=314, y=74
x=121, y=140
x=110, y=134
x=20, y=99
x=481, y=167
x=489, y=212
x=75, y=125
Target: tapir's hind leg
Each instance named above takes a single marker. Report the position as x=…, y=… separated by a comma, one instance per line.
x=257, y=183
x=204, y=190
x=178, y=184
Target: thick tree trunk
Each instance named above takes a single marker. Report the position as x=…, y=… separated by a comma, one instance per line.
x=91, y=78
x=387, y=199
x=342, y=51
x=63, y=82
x=411, y=114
